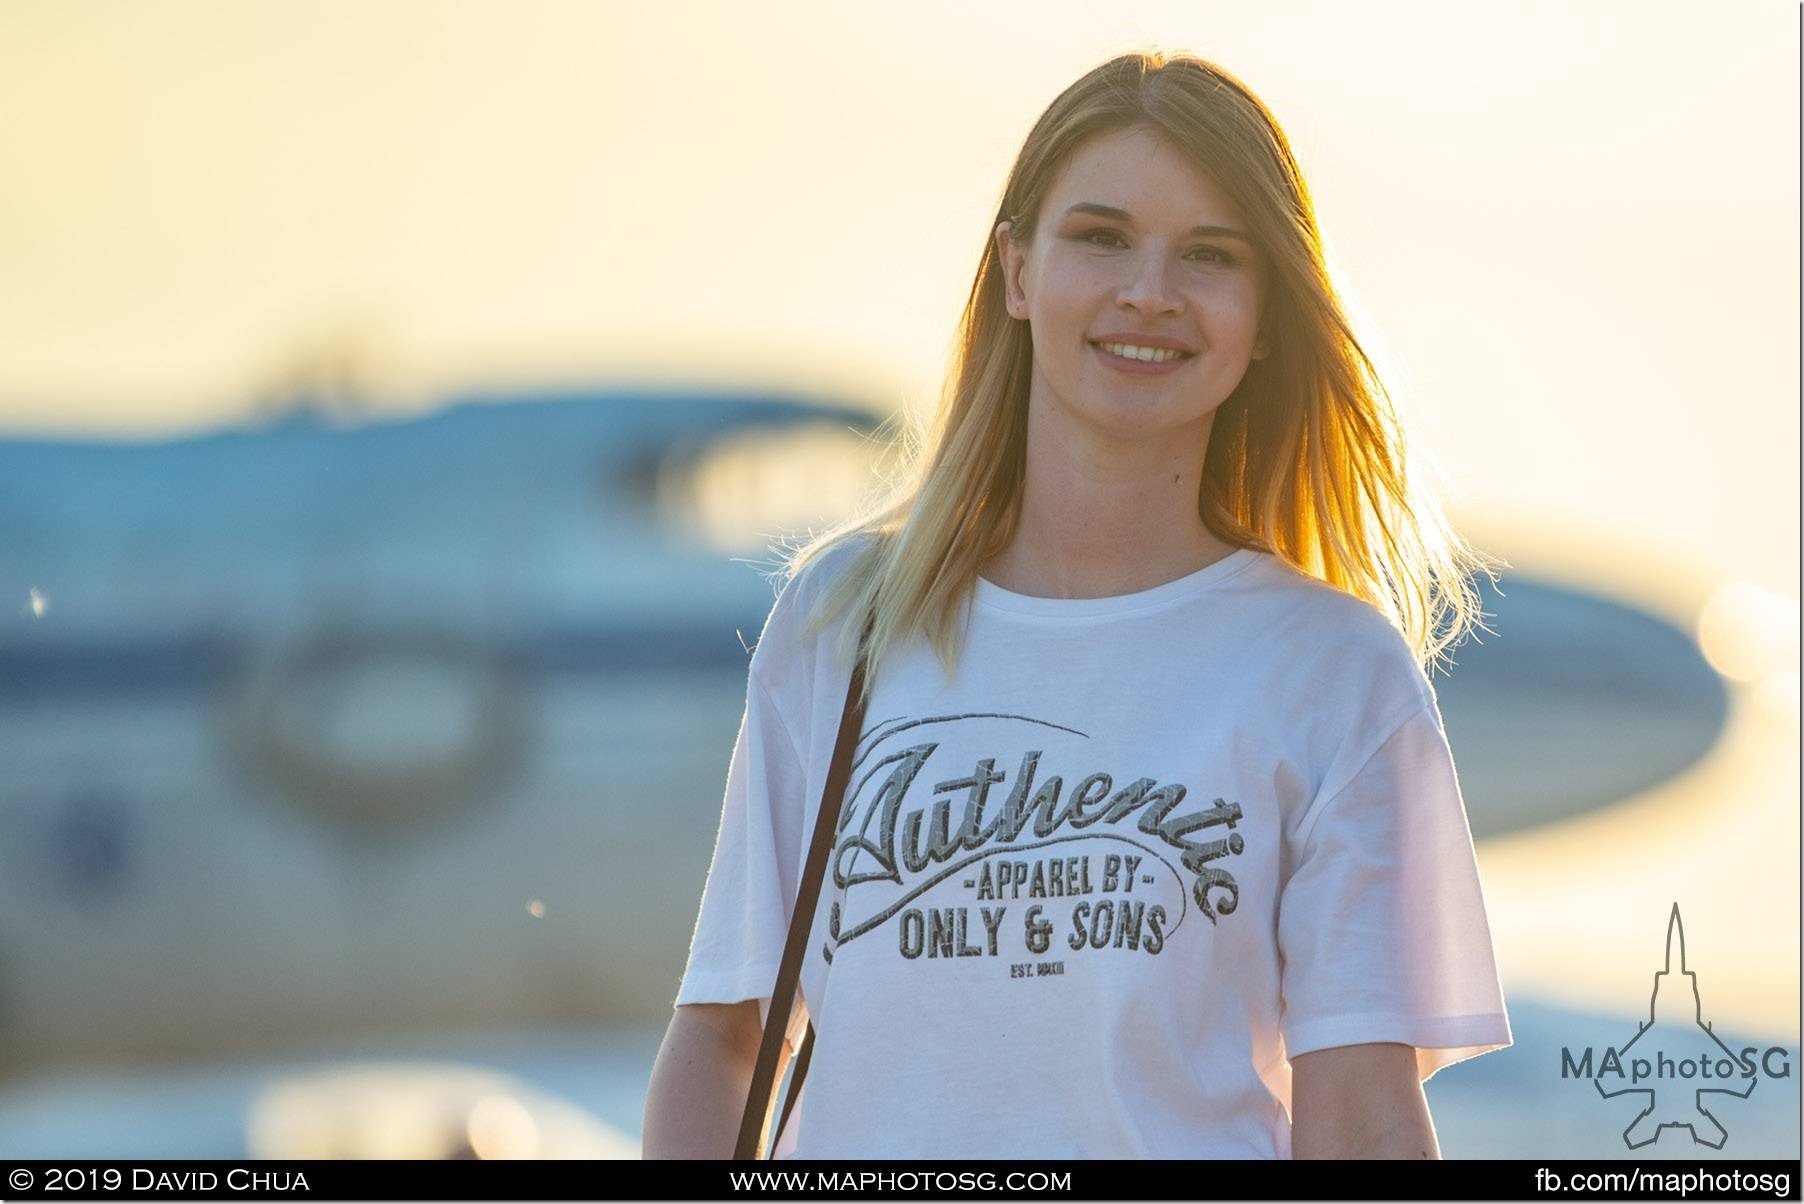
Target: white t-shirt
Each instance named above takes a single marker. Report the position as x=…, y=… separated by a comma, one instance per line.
x=1094, y=892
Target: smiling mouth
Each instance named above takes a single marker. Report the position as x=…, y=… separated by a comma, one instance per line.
x=1161, y=355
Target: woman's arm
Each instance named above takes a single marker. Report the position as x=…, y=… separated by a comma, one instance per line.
x=696, y=1098
x=1359, y=1101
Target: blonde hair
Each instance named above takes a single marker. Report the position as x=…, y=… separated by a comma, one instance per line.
x=1306, y=458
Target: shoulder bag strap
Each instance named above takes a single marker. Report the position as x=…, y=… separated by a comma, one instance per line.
x=758, y=1099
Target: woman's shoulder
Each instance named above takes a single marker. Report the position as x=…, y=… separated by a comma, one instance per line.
x=1332, y=635
x=808, y=580
x=827, y=563
x=1308, y=602
x=804, y=587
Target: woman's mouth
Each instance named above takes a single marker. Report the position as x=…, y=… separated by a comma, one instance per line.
x=1124, y=358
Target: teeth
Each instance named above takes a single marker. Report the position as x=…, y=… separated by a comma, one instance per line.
x=1152, y=355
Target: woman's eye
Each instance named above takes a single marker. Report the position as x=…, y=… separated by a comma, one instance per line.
x=1220, y=257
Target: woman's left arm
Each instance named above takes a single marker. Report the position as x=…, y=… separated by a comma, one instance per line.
x=1359, y=1101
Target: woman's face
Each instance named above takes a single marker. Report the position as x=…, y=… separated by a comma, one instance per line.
x=1173, y=267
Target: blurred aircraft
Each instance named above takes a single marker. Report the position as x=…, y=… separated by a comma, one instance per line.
x=316, y=728
x=319, y=728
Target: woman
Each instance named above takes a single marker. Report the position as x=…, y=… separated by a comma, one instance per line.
x=1153, y=845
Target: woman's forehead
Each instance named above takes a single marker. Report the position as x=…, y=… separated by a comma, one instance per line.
x=1143, y=176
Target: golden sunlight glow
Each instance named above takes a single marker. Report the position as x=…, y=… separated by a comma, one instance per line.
x=1777, y=696
x=486, y=198
x=416, y=1110
x=1747, y=632
x=501, y=1127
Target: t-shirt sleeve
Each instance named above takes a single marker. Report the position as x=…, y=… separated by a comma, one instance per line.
x=1382, y=928
x=737, y=945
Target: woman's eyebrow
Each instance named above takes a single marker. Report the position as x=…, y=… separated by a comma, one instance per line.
x=1121, y=215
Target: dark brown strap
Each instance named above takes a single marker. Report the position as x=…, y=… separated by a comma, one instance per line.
x=795, y=1081
x=758, y=1098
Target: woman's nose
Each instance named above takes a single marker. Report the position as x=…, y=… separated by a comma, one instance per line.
x=1148, y=287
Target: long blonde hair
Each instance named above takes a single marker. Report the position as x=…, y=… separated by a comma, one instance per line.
x=1306, y=458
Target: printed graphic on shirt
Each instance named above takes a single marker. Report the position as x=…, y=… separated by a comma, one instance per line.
x=1022, y=855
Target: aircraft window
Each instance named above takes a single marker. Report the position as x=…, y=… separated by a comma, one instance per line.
x=738, y=491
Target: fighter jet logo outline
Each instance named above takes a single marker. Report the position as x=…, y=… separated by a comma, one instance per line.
x=1639, y=1132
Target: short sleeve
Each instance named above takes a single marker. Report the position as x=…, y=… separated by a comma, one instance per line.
x=737, y=946
x=1382, y=930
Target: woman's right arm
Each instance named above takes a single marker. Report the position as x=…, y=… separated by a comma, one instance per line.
x=696, y=1099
